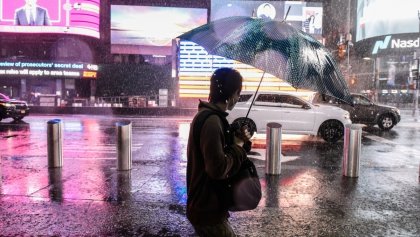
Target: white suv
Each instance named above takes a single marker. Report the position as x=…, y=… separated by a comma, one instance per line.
x=296, y=115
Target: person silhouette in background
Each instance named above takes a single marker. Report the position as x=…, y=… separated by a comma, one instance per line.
x=308, y=24
x=317, y=23
x=32, y=15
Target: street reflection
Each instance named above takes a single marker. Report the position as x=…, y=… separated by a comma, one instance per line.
x=184, y=130
x=179, y=166
x=84, y=150
x=72, y=126
x=18, y=180
x=38, y=125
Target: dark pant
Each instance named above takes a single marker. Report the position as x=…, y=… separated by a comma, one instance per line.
x=219, y=230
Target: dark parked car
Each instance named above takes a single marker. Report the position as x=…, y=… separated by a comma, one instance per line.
x=10, y=108
x=364, y=110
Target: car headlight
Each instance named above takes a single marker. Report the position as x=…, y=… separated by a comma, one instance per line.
x=6, y=104
x=397, y=111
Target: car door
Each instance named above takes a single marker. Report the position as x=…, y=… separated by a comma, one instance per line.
x=353, y=110
x=364, y=110
x=329, y=100
x=265, y=109
x=297, y=116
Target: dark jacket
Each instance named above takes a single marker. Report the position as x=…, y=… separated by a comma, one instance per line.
x=215, y=160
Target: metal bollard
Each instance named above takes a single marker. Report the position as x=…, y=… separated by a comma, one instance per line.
x=124, y=145
x=55, y=179
x=273, y=151
x=123, y=188
x=351, y=151
x=55, y=143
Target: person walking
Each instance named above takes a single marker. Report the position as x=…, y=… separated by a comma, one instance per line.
x=214, y=153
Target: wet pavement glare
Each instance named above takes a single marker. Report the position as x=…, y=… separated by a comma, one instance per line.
x=88, y=196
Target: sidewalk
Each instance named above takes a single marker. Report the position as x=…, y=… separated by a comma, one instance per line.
x=89, y=197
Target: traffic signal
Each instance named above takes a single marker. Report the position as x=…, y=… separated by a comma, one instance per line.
x=341, y=51
x=353, y=80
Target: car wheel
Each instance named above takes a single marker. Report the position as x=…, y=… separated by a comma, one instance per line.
x=386, y=122
x=18, y=118
x=331, y=131
x=239, y=122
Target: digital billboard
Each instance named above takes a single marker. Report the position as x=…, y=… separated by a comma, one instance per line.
x=79, y=17
x=147, y=26
x=48, y=69
x=386, y=17
x=195, y=67
x=306, y=16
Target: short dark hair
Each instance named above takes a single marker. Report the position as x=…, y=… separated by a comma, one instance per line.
x=224, y=83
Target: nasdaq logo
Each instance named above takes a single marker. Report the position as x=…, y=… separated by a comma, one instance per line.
x=395, y=43
x=381, y=44
x=405, y=43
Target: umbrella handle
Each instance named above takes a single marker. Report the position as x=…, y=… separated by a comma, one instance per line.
x=253, y=99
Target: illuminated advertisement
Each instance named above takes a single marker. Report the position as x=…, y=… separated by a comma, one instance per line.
x=386, y=17
x=306, y=16
x=196, y=66
x=151, y=26
x=79, y=17
x=48, y=69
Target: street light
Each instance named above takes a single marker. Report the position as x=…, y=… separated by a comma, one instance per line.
x=375, y=78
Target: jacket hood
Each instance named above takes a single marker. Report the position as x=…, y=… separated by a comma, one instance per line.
x=206, y=105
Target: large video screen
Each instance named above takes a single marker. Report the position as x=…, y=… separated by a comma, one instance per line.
x=151, y=26
x=306, y=16
x=45, y=69
x=386, y=17
x=79, y=17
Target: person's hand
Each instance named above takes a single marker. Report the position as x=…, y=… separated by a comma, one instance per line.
x=242, y=135
x=238, y=141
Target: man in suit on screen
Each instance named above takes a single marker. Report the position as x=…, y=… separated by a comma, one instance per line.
x=32, y=15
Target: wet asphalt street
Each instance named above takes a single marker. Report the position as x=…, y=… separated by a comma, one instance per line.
x=89, y=197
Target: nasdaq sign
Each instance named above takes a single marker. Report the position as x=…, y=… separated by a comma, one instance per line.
x=395, y=43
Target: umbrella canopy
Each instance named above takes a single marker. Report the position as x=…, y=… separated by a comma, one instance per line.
x=276, y=48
